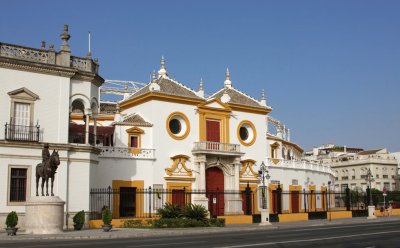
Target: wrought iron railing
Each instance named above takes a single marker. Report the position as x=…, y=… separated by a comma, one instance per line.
x=22, y=133
x=216, y=146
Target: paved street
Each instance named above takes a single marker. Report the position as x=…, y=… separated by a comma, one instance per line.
x=372, y=234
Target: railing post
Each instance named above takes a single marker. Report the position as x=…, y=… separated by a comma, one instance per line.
x=149, y=201
x=109, y=197
x=279, y=200
x=5, y=131
x=38, y=132
x=347, y=198
x=305, y=197
x=248, y=199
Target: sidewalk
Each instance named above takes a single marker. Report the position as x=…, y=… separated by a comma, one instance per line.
x=132, y=233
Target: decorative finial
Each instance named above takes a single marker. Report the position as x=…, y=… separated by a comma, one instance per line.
x=225, y=97
x=117, y=108
x=51, y=47
x=89, y=53
x=263, y=99
x=228, y=83
x=65, y=37
x=153, y=75
x=200, y=93
x=163, y=71
x=43, y=45
x=201, y=84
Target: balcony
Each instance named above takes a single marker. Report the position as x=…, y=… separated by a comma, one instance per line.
x=22, y=133
x=208, y=147
x=126, y=152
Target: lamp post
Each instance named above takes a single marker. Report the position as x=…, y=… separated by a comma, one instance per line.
x=263, y=174
x=329, y=199
x=371, y=208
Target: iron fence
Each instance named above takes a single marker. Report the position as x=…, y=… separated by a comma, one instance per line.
x=22, y=133
x=130, y=202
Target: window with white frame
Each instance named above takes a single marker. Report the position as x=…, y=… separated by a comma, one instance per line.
x=18, y=184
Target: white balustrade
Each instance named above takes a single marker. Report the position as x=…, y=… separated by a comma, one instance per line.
x=215, y=146
x=125, y=152
x=303, y=165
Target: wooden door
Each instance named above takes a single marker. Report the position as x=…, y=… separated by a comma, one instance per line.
x=215, y=191
x=295, y=201
x=274, y=201
x=178, y=197
x=127, y=202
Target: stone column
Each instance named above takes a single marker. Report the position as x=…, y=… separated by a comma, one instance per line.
x=95, y=128
x=201, y=181
x=88, y=112
x=237, y=165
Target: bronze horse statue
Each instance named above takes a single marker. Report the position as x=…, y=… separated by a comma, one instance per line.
x=47, y=170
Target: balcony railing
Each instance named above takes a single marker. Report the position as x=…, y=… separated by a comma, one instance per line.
x=22, y=133
x=216, y=146
x=126, y=152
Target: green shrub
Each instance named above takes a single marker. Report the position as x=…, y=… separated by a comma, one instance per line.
x=195, y=212
x=12, y=220
x=170, y=211
x=217, y=222
x=178, y=223
x=79, y=218
x=106, y=216
x=135, y=223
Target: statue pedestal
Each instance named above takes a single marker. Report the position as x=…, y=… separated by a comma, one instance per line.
x=44, y=215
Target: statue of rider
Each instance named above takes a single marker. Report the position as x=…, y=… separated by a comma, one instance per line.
x=46, y=155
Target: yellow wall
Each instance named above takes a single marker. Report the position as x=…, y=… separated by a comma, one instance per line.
x=237, y=219
x=339, y=215
x=293, y=217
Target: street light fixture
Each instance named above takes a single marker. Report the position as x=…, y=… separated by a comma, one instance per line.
x=369, y=178
x=371, y=208
x=263, y=174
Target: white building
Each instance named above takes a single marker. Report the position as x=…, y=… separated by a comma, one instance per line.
x=351, y=165
x=165, y=136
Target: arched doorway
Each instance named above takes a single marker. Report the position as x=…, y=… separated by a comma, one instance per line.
x=215, y=191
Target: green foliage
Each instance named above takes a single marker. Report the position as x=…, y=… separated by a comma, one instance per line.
x=170, y=211
x=12, y=220
x=217, y=222
x=179, y=223
x=137, y=223
x=79, y=218
x=195, y=212
x=107, y=216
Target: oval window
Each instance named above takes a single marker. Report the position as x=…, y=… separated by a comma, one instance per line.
x=175, y=126
x=244, y=133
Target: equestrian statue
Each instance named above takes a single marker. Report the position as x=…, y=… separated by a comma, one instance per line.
x=47, y=169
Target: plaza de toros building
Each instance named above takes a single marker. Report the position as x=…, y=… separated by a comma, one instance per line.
x=164, y=137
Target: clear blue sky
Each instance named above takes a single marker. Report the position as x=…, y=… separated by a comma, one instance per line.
x=331, y=69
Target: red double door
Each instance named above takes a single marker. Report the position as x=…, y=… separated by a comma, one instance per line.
x=215, y=191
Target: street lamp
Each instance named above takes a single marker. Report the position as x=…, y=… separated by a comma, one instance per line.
x=263, y=174
x=371, y=208
x=369, y=178
x=329, y=199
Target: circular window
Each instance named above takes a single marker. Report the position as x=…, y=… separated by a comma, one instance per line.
x=175, y=126
x=246, y=133
x=178, y=126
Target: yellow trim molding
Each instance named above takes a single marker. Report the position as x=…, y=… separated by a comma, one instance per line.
x=178, y=186
x=214, y=114
x=138, y=184
x=161, y=97
x=184, y=117
x=251, y=142
x=247, y=169
x=135, y=131
x=294, y=188
x=175, y=170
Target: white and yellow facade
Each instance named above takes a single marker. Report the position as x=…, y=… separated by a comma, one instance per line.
x=164, y=136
